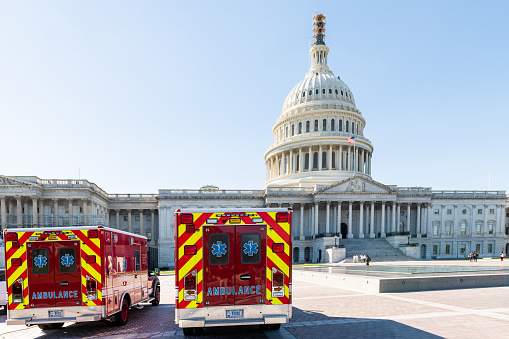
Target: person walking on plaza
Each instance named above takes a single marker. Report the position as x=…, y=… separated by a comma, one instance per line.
x=474, y=256
x=368, y=259
x=470, y=256
x=501, y=256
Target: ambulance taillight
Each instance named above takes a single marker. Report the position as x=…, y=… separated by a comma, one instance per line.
x=278, y=283
x=190, y=286
x=17, y=291
x=11, y=237
x=186, y=218
x=91, y=288
x=93, y=234
x=281, y=217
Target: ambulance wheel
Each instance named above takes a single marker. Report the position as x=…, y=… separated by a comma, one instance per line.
x=55, y=326
x=43, y=327
x=274, y=327
x=157, y=296
x=188, y=330
x=122, y=317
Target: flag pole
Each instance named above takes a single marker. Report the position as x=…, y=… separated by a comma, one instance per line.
x=355, y=157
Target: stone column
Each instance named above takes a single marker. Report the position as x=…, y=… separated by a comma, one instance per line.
x=316, y=218
x=349, y=160
x=3, y=211
x=35, y=222
x=350, y=235
x=442, y=226
x=41, y=213
x=71, y=213
x=330, y=157
x=372, y=229
x=361, y=219
x=25, y=209
x=55, y=213
x=393, y=227
x=141, y=222
x=340, y=166
x=85, y=212
x=382, y=226
x=18, y=214
x=117, y=212
x=300, y=160
x=327, y=218
x=408, y=218
x=153, y=226
x=419, y=231
x=398, y=217
x=290, y=164
x=129, y=221
x=320, y=157
x=301, y=221
x=339, y=219
x=362, y=169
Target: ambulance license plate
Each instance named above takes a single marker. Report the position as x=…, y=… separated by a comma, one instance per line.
x=56, y=314
x=234, y=313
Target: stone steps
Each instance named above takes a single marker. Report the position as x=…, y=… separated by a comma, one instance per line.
x=377, y=249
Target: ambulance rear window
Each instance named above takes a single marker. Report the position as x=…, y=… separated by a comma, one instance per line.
x=137, y=259
x=250, y=248
x=67, y=262
x=40, y=261
x=219, y=251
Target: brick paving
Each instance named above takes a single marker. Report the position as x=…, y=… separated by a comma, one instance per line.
x=323, y=310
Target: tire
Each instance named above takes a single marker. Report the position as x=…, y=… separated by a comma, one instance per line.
x=43, y=327
x=274, y=327
x=122, y=317
x=55, y=326
x=157, y=296
x=188, y=331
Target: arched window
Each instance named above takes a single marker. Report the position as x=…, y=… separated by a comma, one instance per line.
x=316, y=91
x=304, y=94
x=307, y=126
x=353, y=128
x=332, y=125
x=463, y=227
x=315, y=160
x=330, y=90
x=346, y=126
x=324, y=127
x=336, y=91
x=323, y=91
x=316, y=125
x=333, y=159
x=340, y=128
x=293, y=130
x=300, y=127
x=341, y=92
x=306, y=161
x=357, y=129
x=310, y=92
x=324, y=159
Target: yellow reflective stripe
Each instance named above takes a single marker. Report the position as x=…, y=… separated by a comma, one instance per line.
x=277, y=239
x=191, y=263
x=17, y=274
x=191, y=241
x=280, y=264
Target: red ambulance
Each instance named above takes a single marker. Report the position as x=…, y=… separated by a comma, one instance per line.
x=233, y=267
x=75, y=274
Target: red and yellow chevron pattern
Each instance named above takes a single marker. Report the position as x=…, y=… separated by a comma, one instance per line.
x=13, y=273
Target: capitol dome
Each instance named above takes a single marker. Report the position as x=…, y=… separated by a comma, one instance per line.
x=319, y=136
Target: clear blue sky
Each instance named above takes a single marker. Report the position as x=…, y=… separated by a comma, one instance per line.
x=143, y=95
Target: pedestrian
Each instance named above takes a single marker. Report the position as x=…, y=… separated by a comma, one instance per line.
x=474, y=255
x=368, y=259
x=501, y=256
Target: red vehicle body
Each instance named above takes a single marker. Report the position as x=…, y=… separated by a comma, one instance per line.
x=75, y=274
x=233, y=267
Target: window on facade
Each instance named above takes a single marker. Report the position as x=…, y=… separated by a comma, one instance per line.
x=463, y=249
x=52, y=209
x=436, y=211
x=449, y=211
x=287, y=131
x=333, y=159
x=332, y=125
x=307, y=126
x=324, y=159
x=316, y=125
x=353, y=128
x=306, y=162
x=137, y=218
x=324, y=125
x=435, y=249
x=463, y=227
x=478, y=248
x=435, y=229
x=464, y=211
x=323, y=91
x=346, y=125
x=479, y=211
x=149, y=218
x=340, y=128
x=341, y=92
x=300, y=127
x=125, y=217
x=448, y=229
x=478, y=228
x=336, y=91
x=490, y=248
x=448, y=249
x=315, y=160
x=297, y=164
x=492, y=211
x=330, y=91
x=293, y=130
x=303, y=94
x=490, y=228
x=316, y=91
x=310, y=92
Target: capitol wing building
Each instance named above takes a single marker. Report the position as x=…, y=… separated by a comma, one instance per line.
x=319, y=165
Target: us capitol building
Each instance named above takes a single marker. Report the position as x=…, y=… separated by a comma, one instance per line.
x=314, y=167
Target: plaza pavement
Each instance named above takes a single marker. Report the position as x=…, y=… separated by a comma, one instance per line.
x=322, y=311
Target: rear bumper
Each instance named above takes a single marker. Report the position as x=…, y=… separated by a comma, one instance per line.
x=39, y=316
x=216, y=316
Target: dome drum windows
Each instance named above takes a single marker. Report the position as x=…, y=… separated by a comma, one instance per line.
x=316, y=125
x=315, y=160
x=300, y=127
x=332, y=125
x=307, y=126
x=293, y=130
x=324, y=125
x=340, y=128
x=346, y=125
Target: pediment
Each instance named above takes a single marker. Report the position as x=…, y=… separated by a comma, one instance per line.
x=358, y=184
x=7, y=181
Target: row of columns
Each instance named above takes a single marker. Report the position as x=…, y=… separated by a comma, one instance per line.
x=129, y=221
x=353, y=159
x=38, y=204
x=499, y=219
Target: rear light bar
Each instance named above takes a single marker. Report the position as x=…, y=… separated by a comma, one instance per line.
x=278, y=283
x=235, y=220
x=93, y=234
x=11, y=237
x=212, y=221
x=17, y=291
x=257, y=220
x=281, y=217
x=91, y=284
x=278, y=248
x=90, y=259
x=190, y=250
x=190, y=286
x=186, y=218
x=16, y=262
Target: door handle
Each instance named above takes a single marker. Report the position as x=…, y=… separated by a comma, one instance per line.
x=245, y=277
x=64, y=283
